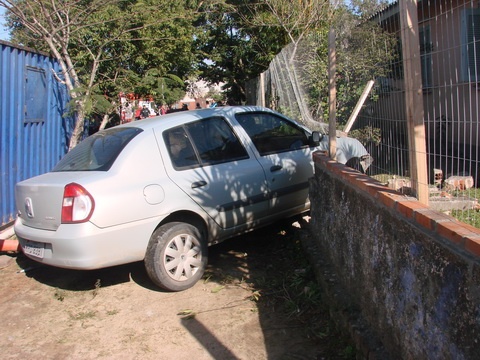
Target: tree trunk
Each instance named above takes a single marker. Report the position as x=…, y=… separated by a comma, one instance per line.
x=78, y=129
x=105, y=120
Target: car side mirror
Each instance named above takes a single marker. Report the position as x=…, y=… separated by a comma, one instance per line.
x=315, y=138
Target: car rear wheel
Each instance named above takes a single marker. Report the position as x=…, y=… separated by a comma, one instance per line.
x=176, y=256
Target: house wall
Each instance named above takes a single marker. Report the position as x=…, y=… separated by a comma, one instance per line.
x=451, y=98
x=34, y=132
x=410, y=273
x=451, y=95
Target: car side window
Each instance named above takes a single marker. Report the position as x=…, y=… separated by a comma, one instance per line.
x=180, y=148
x=215, y=141
x=272, y=134
x=206, y=142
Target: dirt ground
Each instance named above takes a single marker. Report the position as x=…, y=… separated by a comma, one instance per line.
x=239, y=311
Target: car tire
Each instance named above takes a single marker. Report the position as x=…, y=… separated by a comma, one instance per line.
x=176, y=256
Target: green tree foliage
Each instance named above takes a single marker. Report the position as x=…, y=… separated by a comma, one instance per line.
x=109, y=46
x=233, y=48
x=365, y=52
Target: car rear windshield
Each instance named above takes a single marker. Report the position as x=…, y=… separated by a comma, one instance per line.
x=97, y=152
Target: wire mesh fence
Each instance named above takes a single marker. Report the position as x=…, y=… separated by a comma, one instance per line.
x=449, y=62
x=443, y=46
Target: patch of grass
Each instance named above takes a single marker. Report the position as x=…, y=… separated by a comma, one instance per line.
x=471, y=216
x=217, y=289
x=83, y=315
x=187, y=314
x=59, y=294
x=98, y=284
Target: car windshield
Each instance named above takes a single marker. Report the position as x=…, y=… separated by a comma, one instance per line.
x=97, y=152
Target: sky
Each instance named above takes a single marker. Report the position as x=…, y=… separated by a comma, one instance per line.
x=3, y=33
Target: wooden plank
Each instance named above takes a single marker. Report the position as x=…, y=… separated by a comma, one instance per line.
x=262, y=89
x=332, y=95
x=358, y=107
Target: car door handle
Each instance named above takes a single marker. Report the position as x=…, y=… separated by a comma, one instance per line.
x=276, y=168
x=198, y=184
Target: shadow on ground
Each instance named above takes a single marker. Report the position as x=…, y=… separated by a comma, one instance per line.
x=83, y=280
x=270, y=263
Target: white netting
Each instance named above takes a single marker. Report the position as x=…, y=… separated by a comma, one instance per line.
x=283, y=87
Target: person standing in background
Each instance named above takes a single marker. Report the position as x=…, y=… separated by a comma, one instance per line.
x=128, y=113
x=163, y=109
x=144, y=113
x=138, y=113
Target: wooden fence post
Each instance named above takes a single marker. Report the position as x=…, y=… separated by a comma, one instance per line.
x=414, y=98
x=332, y=98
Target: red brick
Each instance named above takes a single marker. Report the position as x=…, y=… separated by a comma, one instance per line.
x=453, y=230
x=362, y=184
x=472, y=245
x=409, y=207
x=374, y=188
x=473, y=229
x=389, y=198
x=438, y=216
x=426, y=218
x=335, y=167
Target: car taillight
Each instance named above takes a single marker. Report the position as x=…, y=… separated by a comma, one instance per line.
x=77, y=204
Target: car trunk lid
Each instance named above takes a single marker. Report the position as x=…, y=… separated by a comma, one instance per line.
x=39, y=199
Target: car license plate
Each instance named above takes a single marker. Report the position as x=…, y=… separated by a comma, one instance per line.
x=34, y=249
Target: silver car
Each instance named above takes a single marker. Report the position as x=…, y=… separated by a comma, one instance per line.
x=163, y=189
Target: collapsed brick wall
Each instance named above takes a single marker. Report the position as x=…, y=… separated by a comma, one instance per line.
x=413, y=274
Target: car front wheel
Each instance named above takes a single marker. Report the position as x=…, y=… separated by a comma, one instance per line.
x=176, y=256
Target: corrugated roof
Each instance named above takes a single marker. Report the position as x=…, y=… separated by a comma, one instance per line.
x=385, y=12
x=25, y=48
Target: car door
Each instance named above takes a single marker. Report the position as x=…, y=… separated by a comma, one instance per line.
x=285, y=153
x=210, y=164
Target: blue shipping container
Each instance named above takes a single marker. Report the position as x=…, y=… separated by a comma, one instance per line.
x=34, y=128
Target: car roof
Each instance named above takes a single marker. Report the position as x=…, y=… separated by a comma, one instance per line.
x=180, y=117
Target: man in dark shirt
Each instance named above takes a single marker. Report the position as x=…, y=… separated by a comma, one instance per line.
x=145, y=113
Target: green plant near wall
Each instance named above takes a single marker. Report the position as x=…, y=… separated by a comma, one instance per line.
x=470, y=216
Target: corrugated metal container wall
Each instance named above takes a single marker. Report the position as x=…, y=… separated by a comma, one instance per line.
x=33, y=129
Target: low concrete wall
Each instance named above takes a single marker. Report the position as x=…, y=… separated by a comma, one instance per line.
x=412, y=274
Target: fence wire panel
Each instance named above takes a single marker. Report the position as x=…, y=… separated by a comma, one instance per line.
x=285, y=87
x=449, y=35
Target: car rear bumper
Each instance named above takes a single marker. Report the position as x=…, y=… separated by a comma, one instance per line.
x=85, y=246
